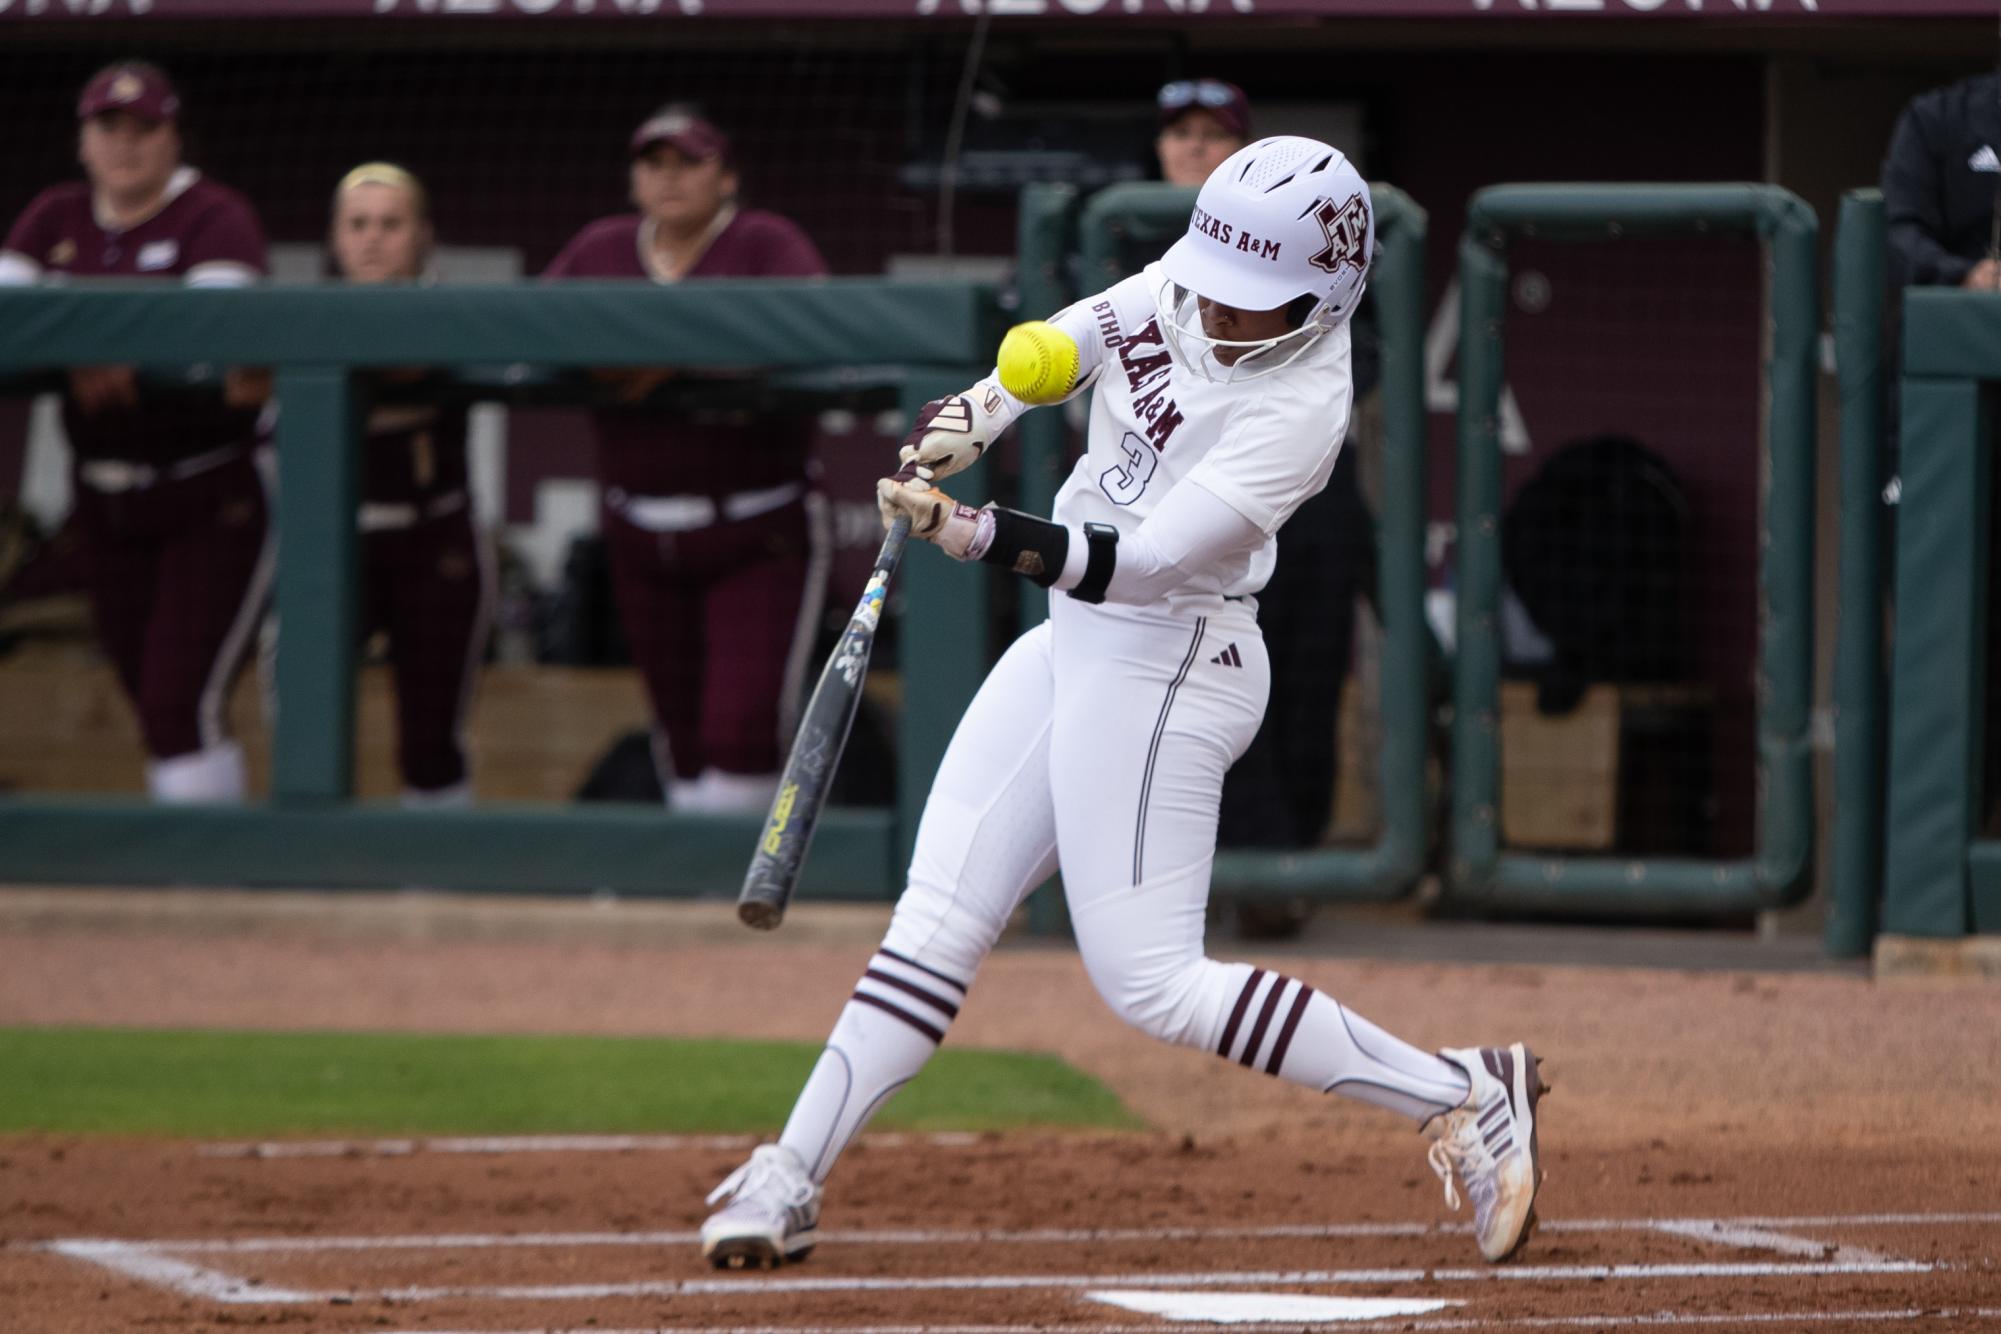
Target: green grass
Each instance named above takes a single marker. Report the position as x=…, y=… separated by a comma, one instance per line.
x=207, y=1084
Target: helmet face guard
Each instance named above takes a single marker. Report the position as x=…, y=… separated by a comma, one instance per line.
x=1181, y=326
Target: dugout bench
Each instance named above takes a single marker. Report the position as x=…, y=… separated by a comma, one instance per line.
x=311, y=832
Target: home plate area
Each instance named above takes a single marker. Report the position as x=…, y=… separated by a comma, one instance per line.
x=1884, y=1270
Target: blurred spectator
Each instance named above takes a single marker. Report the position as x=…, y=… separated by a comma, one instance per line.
x=427, y=574
x=718, y=550
x=1940, y=182
x=1202, y=121
x=170, y=500
x=1280, y=792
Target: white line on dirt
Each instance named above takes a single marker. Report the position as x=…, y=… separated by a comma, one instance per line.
x=136, y=1260
x=1762, y=1239
x=401, y=1148
x=190, y=1280
x=1666, y=1318
x=763, y=1287
x=1728, y=1231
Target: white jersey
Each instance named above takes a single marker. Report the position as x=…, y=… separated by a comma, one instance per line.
x=1263, y=446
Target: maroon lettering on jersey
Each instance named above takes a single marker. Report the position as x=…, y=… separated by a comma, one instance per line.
x=1160, y=428
x=653, y=452
x=1140, y=364
x=1153, y=407
x=1108, y=324
x=203, y=229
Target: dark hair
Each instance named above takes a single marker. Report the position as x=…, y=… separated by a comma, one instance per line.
x=1297, y=309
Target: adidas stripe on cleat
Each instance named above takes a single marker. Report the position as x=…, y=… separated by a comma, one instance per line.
x=771, y=1217
x=1489, y=1143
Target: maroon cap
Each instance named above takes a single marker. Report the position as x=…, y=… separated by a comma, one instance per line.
x=684, y=130
x=139, y=89
x=1225, y=101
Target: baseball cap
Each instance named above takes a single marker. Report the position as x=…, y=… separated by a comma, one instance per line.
x=683, y=129
x=132, y=86
x=1225, y=101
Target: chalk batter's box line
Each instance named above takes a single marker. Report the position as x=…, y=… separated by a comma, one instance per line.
x=1759, y=1232
x=136, y=1261
x=1662, y=1318
x=155, y=1262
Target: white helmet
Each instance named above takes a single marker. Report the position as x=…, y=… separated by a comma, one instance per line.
x=1280, y=219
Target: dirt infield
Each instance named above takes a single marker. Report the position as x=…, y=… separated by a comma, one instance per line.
x=1724, y=1150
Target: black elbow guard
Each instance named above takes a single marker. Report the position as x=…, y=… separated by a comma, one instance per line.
x=1031, y=547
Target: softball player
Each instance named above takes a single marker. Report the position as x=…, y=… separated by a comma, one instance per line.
x=717, y=543
x=427, y=575
x=1099, y=742
x=170, y=500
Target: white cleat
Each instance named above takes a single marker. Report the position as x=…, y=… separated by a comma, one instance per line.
x=1489, y=1141
x=772, y=1214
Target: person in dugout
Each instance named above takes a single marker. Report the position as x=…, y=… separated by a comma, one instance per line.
x=1280, y=792
x=717, y=545
x=170, y=496
x=427, y=572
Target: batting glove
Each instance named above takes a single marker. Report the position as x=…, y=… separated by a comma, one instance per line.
x=952, y=432
x=960, y=531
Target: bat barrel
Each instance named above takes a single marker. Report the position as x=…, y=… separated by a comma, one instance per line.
x=809, y=770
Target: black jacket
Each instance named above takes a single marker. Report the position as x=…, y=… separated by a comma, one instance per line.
x=1939, y=182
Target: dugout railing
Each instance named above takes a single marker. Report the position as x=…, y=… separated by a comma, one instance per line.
x=311, y=832
x=1118, y=230
x=1481, y=872
x=1942, y=861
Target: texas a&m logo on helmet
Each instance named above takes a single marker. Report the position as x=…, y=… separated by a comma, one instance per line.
x=1346, y=227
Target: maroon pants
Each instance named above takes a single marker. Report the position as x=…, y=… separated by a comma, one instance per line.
x=714, y=618
x=179, y=574
x=429, y=588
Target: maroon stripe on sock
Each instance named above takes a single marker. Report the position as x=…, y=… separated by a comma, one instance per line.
x=892, y=980
x=953, y=983
x=1292, y=1018
x=1265, y=1013
x=1237, y=1014
x=932, y=1031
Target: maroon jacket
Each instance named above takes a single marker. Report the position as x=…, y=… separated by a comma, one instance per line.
x=649, y=453
x=204, y=232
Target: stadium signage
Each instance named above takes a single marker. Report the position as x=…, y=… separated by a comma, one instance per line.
x=1700, y=10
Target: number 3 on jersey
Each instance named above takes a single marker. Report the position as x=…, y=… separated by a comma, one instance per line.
x=1124, y=482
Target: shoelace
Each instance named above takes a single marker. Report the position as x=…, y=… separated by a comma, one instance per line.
x=1461, y=1149
x=767, y=1167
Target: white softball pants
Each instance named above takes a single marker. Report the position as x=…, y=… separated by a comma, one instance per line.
x=1098, y=744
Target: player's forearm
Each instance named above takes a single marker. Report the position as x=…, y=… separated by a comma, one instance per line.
x=1190, y=531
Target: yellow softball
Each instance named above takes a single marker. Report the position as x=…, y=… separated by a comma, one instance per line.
x=1038, y=362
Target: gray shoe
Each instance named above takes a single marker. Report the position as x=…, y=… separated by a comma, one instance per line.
x=772, y=1215
x=1489, y=1141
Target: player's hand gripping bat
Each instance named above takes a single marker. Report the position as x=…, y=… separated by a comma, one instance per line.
x=823, y=734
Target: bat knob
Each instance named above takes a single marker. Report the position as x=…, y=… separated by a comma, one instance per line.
x=762, y=916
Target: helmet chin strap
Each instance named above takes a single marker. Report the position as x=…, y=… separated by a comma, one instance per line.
x=1172, y=299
